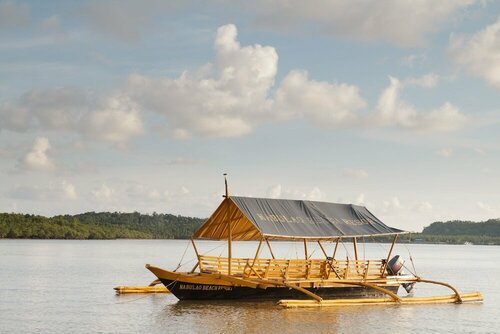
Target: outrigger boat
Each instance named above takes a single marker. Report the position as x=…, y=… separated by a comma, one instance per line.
x=306, y=282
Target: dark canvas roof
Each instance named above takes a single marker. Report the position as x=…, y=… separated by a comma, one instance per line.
x=252, y=218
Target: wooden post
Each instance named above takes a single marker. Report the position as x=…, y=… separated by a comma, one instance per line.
x=257, y=252
x=305, y=248
x=197, y=256
x=389, y=255
x=355, y=244
x=270, y=250
x=229, y=239
x=335, y=250
x=195, y=249
x=322, y=249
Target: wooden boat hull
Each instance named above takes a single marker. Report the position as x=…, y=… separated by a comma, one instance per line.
x=195, y=287
x=190, y=291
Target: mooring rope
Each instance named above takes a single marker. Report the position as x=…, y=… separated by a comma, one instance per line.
x=182, y=257
x=195, y=259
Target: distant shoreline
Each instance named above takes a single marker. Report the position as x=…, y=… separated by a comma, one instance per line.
x=346, y=241
x=119, y=225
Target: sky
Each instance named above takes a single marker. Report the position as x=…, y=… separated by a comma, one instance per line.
x=143, y=105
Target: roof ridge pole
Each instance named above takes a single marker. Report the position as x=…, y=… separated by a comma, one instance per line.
x=225, y=184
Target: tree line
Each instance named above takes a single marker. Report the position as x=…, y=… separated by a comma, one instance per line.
x=97, y=225
x=454, y=232
x=119, y=225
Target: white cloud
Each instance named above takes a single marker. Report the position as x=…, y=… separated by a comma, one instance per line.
x=228, y=99
x=427, y=81
x=485, y=207
x=423, y=207
x=184, y=190
x=13, y=15
x=403, y=23
x=227, y=103
x=52, y=27
x=69, y=190
x=53, y=192
x=392, y=111
x=71, y=110
x=181, y=134
x=392, y=205
x=125, y=19
x=355, y=173
x=479, y=150
x=117, y=121
x=183, y=161
x=52, y=109
x=445, y=152
x=140, y=193
x=325, y=104
x=274, y=191
x=315, y=194
x=360, y=200
x=104, y=193
x=38, y=158
x=480, y=53
x=231, y=98
x=278, y=191
x=413, y=59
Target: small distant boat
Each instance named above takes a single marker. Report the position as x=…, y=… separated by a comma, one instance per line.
x=468, y=243
x=326, y=281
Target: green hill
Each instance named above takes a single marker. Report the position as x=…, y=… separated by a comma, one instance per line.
x=488, y=228
x=460, y=232
x=97, y=225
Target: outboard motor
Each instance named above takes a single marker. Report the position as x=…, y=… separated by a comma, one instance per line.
x=395, y=267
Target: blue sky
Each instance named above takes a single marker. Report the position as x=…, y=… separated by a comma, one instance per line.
x=128, y=105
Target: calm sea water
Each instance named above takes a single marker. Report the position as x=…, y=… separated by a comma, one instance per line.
x=57, y=286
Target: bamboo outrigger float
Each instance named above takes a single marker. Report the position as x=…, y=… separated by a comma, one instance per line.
x=307, y=282
x=154, y=287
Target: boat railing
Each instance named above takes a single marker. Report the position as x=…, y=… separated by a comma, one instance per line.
x=293, y=269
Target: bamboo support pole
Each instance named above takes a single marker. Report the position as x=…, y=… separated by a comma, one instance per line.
x=355, y=245
x=375, y=287
x=304, y=291
x=389, y=255
x=257, y=252
x=322, y=249
x=270, y=249
x=335, y=249
x=305, y=249
x=194, y=267
x=459, y=299
x=229, y=248
x=197, y=257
